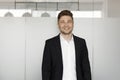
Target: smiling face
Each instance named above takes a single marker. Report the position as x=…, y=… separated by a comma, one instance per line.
x=65, y=24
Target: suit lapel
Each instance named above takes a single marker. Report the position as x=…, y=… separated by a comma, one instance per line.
x=76, y=50
x=59, y=51
x=58, y=47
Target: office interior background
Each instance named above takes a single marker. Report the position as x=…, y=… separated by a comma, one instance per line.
x=26, y=24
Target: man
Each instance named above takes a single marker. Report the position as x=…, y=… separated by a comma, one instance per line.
x=65, y=55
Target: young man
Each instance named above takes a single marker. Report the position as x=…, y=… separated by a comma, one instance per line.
x=65, y=56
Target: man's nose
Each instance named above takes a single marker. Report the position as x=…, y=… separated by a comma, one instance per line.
x=66, y=24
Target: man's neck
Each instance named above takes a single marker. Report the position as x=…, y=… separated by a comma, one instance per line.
x=67, y=37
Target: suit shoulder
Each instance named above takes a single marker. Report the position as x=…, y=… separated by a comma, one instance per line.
x=79, y=38
x=80, y=41
x=52, y=39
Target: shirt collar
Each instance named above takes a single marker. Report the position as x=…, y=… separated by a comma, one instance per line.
x=61, y=38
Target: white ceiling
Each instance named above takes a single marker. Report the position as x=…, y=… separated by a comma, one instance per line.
x=52, y=0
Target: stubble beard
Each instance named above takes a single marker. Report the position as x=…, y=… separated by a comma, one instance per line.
x=66, y=33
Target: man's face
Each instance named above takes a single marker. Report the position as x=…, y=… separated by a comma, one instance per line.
x=65, y=24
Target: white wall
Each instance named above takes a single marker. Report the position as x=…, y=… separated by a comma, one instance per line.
x=22, y=43
x=106, y=49
x=12, y=49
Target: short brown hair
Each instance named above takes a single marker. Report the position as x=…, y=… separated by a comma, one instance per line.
x=65, y=13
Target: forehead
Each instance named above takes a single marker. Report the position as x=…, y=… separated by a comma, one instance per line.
x=65, y=17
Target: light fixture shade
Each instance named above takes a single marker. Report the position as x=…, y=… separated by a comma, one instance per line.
x=8, y=14
x=27, y=14
x=45, y=14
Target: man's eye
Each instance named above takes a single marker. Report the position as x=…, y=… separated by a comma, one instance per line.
x=66, y=22
x=62, y=22
x=70, y=21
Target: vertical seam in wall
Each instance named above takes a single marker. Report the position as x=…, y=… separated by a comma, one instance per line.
x=25, y=52
x=93, y=7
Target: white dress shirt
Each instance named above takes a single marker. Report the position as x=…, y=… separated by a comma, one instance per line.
x=68, y=56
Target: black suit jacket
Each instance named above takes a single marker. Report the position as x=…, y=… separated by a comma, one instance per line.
x=52, y=64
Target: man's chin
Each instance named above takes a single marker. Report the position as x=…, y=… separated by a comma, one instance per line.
x=66, y=33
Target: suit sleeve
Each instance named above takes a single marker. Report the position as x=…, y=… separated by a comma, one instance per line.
x=85, y=63
x=46, y=63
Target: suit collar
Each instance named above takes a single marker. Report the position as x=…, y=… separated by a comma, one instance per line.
x=76, y=49
x=75, y=43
